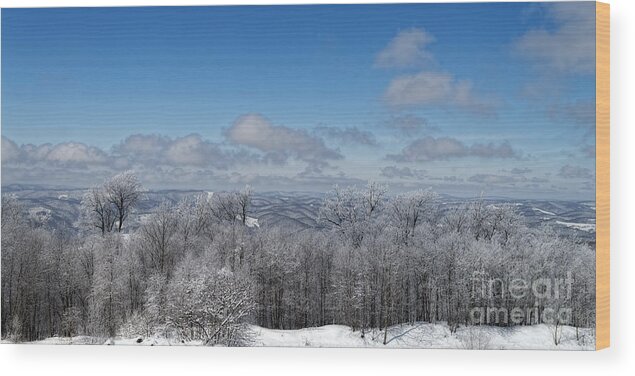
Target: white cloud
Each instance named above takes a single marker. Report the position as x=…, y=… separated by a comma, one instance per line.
x=491, y=179
x=491, y=150
x=580, y=113
x=520, y=171
x=408, y=124
x=421, y=88
x=392, y=172
x=588, y=150
x=191, y=150
x=10, y=150
x=444, y=148
x=278, y=142
x=65, y=153
x=347, y=135
x=76, y=153
x=158, y=159
x=407, y=49
x=37, y=152
x=570, y=47
x=61, y=163
x=434, y=88
x=428, y=87
x=574, y=172
x=143, y=146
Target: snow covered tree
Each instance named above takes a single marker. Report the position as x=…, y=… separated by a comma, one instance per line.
x=243, y=201
x=208, y=305
x=124, y=192
x=194, y=270
x=98, y=211
x=232, y=206
x=349, y=210
x=157, y=240
x=411, y=209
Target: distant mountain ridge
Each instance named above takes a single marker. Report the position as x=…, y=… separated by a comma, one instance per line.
x=60, y=208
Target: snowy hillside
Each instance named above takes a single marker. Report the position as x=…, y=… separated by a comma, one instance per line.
x=192, y=270
x=419, y=335
x=291, y=209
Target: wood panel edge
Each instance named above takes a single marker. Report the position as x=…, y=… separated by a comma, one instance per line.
x=602, y=129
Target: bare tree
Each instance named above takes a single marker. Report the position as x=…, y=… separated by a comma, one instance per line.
x=224, y=208
x=243, y=201
x=350, y=210
x=157, y=239
x=231, y=206
x=123, y=191
x=98, y=211
x=409, y=209
x=373, y=197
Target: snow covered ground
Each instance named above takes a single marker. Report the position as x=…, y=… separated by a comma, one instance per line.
x=252, y=222
x=419, y=335
x=544, y=211
x=425, y=335
x=588, y=227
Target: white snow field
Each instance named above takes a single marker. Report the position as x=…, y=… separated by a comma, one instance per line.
x=544, y=211
x=419, y=335
x=588, y=227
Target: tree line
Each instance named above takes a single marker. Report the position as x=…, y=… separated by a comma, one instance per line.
x=195, y=271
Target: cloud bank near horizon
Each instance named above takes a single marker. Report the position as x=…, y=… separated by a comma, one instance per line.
x=414, y=104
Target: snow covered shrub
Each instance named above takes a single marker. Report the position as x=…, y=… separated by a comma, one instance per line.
x=475, y=338
x=14, y=329
x=208, y=305
x=137, y=325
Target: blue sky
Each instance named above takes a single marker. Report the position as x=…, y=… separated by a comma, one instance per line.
x=463, y=98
